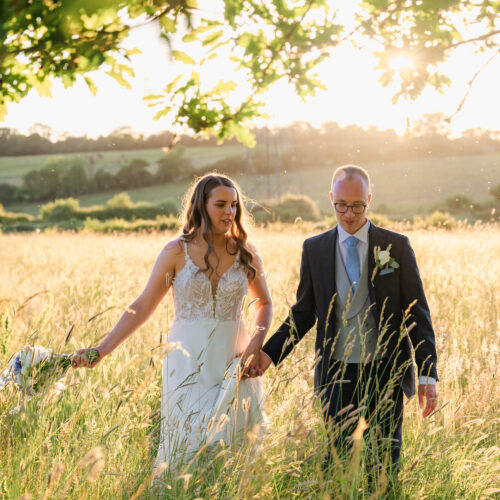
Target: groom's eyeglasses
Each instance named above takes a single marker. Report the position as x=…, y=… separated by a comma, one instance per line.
x=357, y=208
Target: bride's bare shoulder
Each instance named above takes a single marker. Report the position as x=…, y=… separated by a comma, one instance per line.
x=256, y=257
x=174, y=247
x=252, y=248
x=171, y=254
x=171, y=258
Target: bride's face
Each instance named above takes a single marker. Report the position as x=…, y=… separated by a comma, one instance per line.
x=221, y=208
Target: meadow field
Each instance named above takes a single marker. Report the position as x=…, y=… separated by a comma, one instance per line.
x=401, y=188
x=98, y=438
x=12, y=168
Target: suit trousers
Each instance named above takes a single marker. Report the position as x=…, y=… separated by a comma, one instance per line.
x=367, y=390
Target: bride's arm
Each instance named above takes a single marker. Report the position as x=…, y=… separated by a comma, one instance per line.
x=259, y=293
x=141, y=309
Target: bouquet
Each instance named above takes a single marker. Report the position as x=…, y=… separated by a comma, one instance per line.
x=34, y=368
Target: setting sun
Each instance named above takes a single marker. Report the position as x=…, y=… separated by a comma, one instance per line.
x=400, y=62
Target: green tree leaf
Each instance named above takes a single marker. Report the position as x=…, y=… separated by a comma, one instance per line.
x=182, y=57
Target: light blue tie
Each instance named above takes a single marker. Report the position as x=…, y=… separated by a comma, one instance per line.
x=352, y=261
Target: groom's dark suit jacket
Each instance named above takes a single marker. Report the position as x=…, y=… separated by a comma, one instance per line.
x=391, y=294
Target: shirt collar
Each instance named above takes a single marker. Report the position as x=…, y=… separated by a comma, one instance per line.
x=361, y=234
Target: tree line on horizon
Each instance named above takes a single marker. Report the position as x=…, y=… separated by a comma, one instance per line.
x=431, y=133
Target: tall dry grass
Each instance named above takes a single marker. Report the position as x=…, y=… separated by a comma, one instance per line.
x=98, y=439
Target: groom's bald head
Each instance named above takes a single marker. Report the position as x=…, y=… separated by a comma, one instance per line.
x=350, y=196
x=348, y=172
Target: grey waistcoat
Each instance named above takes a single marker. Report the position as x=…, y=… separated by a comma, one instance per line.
x=355, y=328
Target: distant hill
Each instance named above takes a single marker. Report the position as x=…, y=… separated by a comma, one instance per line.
x=400, y=188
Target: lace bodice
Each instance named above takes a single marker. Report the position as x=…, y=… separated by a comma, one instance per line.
x=194, y=298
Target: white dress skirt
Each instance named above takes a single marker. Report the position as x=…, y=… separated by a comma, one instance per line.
x=203, y=399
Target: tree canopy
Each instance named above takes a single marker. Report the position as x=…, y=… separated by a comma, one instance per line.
x=264, y=41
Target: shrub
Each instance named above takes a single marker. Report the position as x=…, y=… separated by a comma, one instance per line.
x=292, y=206
x=70, y=225
x=118, y=207
x=121, y=200
x=141, y=210
x=169, y=208
x=25, y=226
x=260, y=212
x=495, y=192
x=174, y=167
x=59, y=177
x=103, y=181
x=59, y=210
x=459, y=203
x=379, y=219
x=161, y=223
x=74, y=179
x=134, y=175
x=9, y=193
x=13, y=217
x=289, y=208
x=437, y=219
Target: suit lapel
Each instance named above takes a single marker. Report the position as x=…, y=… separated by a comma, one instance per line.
x=374, y=239
x=329, y=268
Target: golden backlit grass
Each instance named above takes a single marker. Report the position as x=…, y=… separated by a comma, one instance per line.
x=98, y=439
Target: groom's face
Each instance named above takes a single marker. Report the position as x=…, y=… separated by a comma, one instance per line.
x=353, y=191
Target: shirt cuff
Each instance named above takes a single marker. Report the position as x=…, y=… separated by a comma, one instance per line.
x=263, y=352
x=423, y=380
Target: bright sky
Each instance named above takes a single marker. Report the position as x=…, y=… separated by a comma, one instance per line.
x=354, y=96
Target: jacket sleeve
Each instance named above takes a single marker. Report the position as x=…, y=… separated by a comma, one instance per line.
x=422, y=333
x=301, y=319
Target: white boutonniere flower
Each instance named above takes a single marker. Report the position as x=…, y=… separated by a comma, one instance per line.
x=383, y=261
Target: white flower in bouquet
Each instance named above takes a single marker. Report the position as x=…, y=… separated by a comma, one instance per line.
x=39, y=354
x=34, y=367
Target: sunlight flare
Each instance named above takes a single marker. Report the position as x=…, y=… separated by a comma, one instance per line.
x=400, y=62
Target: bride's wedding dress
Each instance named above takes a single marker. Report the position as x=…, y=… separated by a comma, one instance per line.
x=203, y=400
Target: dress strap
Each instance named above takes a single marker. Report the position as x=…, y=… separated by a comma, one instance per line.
x=186, y=255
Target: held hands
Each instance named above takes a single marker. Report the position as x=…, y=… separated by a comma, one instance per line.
x=256, y=366
x=253, y=360
x=87, y=358
x=429, y=393
x=250, y=359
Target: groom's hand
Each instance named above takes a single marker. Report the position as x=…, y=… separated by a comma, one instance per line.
x=264, y=362
x=427, y=393
x=259, y=364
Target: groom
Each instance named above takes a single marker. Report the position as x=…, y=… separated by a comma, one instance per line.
x=369, y=311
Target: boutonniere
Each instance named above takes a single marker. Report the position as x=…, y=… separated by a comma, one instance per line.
x=383, y=261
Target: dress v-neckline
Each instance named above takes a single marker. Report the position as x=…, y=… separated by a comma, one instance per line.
x=209, y=281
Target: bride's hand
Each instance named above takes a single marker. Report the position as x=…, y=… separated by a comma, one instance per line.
x=86, y=357
x=250, y=359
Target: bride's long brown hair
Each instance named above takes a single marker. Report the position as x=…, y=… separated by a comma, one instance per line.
x=195, y=218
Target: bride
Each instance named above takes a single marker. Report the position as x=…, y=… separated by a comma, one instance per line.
x=207, y=392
